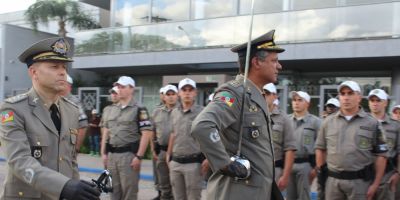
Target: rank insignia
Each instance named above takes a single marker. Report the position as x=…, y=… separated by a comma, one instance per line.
x=7, y=116
x=227, y=98
x=37, y=152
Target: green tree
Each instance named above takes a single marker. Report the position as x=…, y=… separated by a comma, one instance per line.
x=64, y=11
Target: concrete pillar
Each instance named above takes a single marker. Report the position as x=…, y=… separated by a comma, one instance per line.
x=395, y=86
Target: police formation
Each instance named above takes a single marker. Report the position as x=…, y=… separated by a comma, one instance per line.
x=241, y=144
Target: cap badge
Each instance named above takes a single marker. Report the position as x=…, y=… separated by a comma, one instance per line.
x=60, y=47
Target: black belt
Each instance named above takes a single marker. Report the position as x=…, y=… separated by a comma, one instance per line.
x=195, y=158
x=301, y=160
x=367, y=173
x=132, y=147
x=279, y=163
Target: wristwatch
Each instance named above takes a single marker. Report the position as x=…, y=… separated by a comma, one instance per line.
x=139, y=157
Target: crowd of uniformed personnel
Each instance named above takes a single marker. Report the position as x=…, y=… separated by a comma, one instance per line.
x=240, y=143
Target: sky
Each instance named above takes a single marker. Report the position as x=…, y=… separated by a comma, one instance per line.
x=14, y=5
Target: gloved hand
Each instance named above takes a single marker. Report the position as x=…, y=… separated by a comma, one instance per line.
x=80, y=190
x=235, y=169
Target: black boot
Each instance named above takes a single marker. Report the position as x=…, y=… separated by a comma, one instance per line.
x=158, y=197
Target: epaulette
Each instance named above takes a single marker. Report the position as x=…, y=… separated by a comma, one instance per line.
x=17, y=98
x=70, y=101
x=235, y=83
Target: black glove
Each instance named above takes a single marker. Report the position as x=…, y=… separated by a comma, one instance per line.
x=235, y=169
x=80, y=190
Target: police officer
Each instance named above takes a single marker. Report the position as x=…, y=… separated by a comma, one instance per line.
x=283, y=138
x=129, y=131
x=348, y=142
x=162, y=129
x=331, y=106
x=217, y=128
x=377, y=102
x=188, y=164
x=104, y=117
x=306, y=128
x=39, y=130
x=396, y=112
x=83, y=119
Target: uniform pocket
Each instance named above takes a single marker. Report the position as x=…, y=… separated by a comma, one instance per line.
x=252, y=126
x=73, y=135
x=40, y=148
x=277, y=133
x=364, y=139
x=309, y=135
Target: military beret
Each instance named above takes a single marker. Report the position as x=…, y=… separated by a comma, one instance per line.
x=56, y=48
x=265, y=42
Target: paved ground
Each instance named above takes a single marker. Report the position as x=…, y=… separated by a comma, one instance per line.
x=91, y=166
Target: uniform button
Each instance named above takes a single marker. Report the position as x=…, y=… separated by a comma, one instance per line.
x=61, y=158
x=20, y=193
x=247, y=182
x=253, y=123
x=38, y=143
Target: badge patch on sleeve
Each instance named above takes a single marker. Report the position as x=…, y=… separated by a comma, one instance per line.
x=227, y=98
x=7, y=116
x=143, y=117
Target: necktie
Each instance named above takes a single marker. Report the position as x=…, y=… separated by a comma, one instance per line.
x=54, y=117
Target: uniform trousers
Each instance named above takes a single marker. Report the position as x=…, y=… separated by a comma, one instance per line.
x=299, y=184
x=186, y=180
x=339, y=189
x=384, y=192
x=125, y=179
x=164, y=184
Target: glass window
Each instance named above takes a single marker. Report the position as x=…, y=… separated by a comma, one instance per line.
x=260, y=6
x=131, y=12
x=170, y=10
x=358, y=2
x=213, y=8
x=310, y=4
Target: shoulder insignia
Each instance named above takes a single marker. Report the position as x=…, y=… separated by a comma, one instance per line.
x=7, y=116
x=235, y=83
x=70, y=101
x=17, y=98
x=227, y=98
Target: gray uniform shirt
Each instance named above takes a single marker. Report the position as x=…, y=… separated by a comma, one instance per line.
x=391, y=129
x=217, y=130
x=106, y=115
x=184, y=144
x=282, y=134
x=348, y=144
x=306, y=131
x=40, y=160
x=124, y=124
x=162, y=122
x=83, y=119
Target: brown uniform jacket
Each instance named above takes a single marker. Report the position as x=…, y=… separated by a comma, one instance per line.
x=217, y=130
x=39, y=160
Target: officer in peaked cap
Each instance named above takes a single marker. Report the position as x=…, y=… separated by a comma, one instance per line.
x=217, y=129
x=39, y=130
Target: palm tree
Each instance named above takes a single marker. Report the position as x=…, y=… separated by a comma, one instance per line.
x=64, y=11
